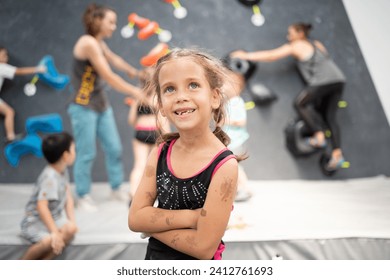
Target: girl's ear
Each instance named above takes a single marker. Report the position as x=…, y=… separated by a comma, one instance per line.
x=216, y=99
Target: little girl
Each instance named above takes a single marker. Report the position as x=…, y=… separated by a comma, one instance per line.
x=191, y=173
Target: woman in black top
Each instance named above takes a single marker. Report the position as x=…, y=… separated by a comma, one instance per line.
x=317, y=104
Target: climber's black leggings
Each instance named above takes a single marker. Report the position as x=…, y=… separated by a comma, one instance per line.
x=317, y=106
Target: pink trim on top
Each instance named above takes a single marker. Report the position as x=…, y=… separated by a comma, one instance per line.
x=159, y=149
x=197, y=173
x=147, y=128
x=221, y=163
x=218, y=253
x=169, y=156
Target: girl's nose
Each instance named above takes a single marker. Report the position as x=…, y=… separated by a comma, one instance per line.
x=181, y=95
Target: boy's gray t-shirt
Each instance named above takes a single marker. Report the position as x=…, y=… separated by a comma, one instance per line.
x=50, y=186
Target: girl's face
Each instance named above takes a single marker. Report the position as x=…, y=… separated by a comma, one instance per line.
x=293, y=34
x=186, y=97
x=108, y=24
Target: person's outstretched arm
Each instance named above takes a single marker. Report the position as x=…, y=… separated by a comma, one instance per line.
x=143, y=217
x=266, y=55
x=119, y=63
x=202, y=242
x=30, y=70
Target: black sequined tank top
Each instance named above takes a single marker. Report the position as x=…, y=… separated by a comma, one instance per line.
x=177, y=193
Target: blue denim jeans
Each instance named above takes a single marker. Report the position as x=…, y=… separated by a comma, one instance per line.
x=88, y=125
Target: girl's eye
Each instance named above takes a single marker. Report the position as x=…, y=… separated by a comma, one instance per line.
x=169, y=89
x=194, y=85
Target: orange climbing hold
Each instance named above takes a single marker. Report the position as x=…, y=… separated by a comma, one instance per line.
x=140, y=22
x=148, y=30
x=151, y=58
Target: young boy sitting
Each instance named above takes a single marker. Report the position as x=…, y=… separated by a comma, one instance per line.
x=49, y=221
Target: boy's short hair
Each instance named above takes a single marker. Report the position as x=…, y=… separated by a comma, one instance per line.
x=55, y=145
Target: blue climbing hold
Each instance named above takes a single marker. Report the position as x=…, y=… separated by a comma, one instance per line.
x=44, y=123
x=31, y=144
x=51, y=77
